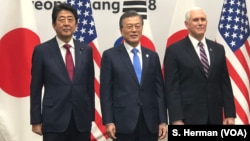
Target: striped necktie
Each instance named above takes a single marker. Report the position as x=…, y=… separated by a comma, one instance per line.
x=203, y=58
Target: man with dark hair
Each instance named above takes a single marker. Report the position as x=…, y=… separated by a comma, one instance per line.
x=64, y=68
x=132, y=93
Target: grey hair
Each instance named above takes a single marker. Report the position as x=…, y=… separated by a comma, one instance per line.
x=187, y=15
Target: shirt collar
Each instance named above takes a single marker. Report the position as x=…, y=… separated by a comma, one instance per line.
x=195, y=41
x=61, y=43
x=129, y=47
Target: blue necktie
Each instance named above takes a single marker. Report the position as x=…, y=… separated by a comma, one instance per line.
x=137, y=64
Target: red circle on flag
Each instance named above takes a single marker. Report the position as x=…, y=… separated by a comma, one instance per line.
x=16, y=48
x=177, y=36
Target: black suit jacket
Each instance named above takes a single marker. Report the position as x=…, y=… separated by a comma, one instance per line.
x=61, y=95
x=122, y=96
x=191, y=96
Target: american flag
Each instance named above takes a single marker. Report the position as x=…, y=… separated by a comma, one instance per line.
x=234, y=35
x=86, y=32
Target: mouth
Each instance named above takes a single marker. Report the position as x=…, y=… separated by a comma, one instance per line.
x=66, y=30
x=200, y=28
x=133, y=36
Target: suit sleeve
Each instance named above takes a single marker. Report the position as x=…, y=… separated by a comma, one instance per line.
x=160, y=92
x=106, y=88
x=228, y=98
x=36, y=87
x=173, y=96
x=91, y=83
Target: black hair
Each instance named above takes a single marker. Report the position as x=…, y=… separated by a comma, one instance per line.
x=63, y=6
x=130, y=13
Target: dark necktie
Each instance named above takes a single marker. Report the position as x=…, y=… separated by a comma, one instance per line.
x=69, y=61
x=204, y=60
x=137, y=64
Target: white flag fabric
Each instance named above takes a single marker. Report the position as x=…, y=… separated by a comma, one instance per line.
x=18, y=39
x=177, y=27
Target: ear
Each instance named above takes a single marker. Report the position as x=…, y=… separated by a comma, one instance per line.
x=186, y=24
x=121, y=31
x=53, y=25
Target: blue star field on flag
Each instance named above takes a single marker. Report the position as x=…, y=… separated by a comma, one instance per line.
x=86, y=31
x=234, y=24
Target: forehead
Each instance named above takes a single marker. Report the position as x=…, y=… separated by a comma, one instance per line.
x=132, y=20
x=197, y=14
x=65, y=13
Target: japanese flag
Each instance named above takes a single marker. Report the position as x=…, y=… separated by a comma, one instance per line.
x=17, y=40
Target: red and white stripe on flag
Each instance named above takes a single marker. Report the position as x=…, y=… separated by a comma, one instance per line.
x=233, y=33
x=86, y=22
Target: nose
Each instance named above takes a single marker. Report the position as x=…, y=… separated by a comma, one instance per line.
x=200, y=21
x=134, y=28
x=66, y=21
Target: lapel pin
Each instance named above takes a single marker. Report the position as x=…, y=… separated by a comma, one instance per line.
x=147, y=55
x=81, y=50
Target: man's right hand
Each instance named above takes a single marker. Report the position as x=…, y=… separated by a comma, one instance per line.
x=110, y=129
x=178, y=122
x=37, y=128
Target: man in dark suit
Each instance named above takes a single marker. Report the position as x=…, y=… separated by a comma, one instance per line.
x=133, y=109
x=198, y=88
x=67, y=109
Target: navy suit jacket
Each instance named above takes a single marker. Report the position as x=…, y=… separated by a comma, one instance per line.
x=191, y=96
x=61, y=95
x=122, y=97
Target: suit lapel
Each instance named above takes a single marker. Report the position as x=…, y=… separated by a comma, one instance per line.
x=78, y=55
x=58, y=58
x=212, y=55
x=145, y=61
x=126, y=60
x=190, y=49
